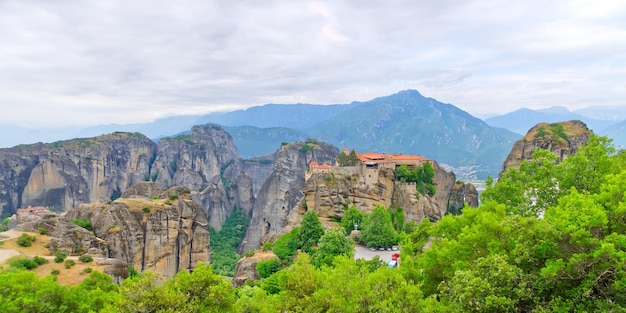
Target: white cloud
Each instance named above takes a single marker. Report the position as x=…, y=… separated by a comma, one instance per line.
x=84, y=61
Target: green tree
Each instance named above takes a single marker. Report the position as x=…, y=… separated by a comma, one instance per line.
x=268, y=267
x=529, y=190
x=311, y=230
x=378, y=229
x=287, y=245
x=202, y=290
x=351, y=217
x=490, y=285
x=333, y=243
x=224, y=243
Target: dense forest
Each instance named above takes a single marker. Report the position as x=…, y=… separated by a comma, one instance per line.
x=547, y=237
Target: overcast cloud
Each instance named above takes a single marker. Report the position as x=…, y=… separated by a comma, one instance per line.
x=100, y=62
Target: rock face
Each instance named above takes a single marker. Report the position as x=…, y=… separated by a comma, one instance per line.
x=64, y=174
x=199, y=161
x=164, y=232
x=193, y=160
x=245, y=270
x=283, y=189
x=66, y=236
x=329, y=193
x=563, y=139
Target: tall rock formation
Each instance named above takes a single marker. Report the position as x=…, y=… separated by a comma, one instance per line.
x=64, y=174
x=563, y=139
x=198, y=161
x=283, y=189
x=364, y=188
x=149, y=229
x=193, y=160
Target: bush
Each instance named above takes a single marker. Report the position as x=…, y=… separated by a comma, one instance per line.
x=85, y=258
x=287, y=244
x=42, y=231
x=55, y=272
x=69, y=263
x=59, y=256
x=268, y=267
x=173, y=196
x=40, y=261
x=25, y=240
x=146, y=209
x=25, y=264
x=84, y=223
x=249, y=253
x=87, y=270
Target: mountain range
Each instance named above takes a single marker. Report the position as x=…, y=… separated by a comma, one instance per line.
x=405, y=122
x=603, y=121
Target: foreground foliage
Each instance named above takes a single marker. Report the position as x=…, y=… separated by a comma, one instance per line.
x=548, y=238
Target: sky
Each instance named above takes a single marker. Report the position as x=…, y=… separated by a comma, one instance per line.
x=100, y=62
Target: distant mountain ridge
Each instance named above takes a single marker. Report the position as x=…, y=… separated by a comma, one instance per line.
x=411, y=123
x=520, y=121
x=405, y=122
x=610, y=122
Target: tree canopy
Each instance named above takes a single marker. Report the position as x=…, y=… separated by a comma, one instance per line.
x=548, y=237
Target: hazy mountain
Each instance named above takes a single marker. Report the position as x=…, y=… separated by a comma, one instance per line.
x=254, y=141
x=405, y=122
x=520, y=121
x=618, y=133
x=604, y=113
x=295, y=116
x=298, y=116
x=408, y=122
x=12, y=135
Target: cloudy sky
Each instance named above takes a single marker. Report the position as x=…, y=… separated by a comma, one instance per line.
x=100, y=62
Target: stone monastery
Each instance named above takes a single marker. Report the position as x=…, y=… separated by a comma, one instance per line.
x=370, y=164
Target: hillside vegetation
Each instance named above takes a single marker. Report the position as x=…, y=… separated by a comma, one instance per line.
x=547, y=238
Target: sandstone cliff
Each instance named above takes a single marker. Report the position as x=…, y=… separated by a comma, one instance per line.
x=282, y=190
x=329, y=193
x=562, y=139
x=198, y=161
x=66, y=173
x=245, y=270
x=150, y=229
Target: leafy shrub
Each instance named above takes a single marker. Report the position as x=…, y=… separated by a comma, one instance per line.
x=146, y=209
x=84, y=223
x=249, y=253
x=24, y=264
x=268, y=267
x=69, y=263
x=55, y=272
x=287, y=244
x=40, y=261
x=87, y=270
x=59, y=256
x=168, y=202
x=267, y=246
x=42, y=231
x=85, y=258
x=25, y=240
x=173, y=196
